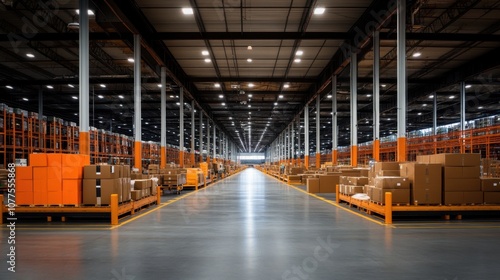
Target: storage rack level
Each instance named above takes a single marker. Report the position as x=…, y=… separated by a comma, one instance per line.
x=388, y=209
x=115, y=210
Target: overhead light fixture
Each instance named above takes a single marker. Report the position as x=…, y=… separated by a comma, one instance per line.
x=368, y=95
x=249, y=113
x=319, y=10
x=424, y=105
x=25, y=99
x=329, y=96
x=217, y=85
x=102, y=85
x=249, y=48
x=383, y=85
x=299, y=53
x=275, y=103
x=50, y=87
x=130, y=59
x=121, y=96
x=178, y=103
x=419, y=113
x=280, y=96
x=90, y=12
x=30, y=55
x=230, y=118
x=71, y=86
x=250, y=95
x=100, y=96
x=249, y=106
x=121, y=105
x=187, y=11
x=297, y=60
x=468, y=86
x=249, y=60
x=286, y=85
x=451, y=96
x=159, y=85
x=223, y=104
x=221, y=96
x=204, y=53
x=480, y=107
x=417, y=54
x=207, y=60
x=250, y=85
x=9, y=87
x=431, y=96
x=76, y=114
x=74, y=97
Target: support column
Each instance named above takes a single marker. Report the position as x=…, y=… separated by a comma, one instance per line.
x=293, y=142
x=193, y=134
x=335, y=136
x=163, y=109
x=299, y=144
x=215, y=144
x=181, y=127
x=306, y=136
x=354, y=109
x=41, y=143
x=401, y=78
x=137, y=103
x=200, y=140
x=208, y=143
x=376, y=95
x=434, y=121
x=318, y=132
x=462, y=117
x=84, y=138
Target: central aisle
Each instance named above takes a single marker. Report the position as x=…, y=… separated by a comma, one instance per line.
x=251, y=226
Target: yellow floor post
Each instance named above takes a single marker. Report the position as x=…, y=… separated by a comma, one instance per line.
x=388, y=208
x=158, y=195
x=337, y=192
x=354, y=156
x=114, y=209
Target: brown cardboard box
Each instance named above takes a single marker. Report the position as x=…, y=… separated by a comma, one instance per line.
x=126, y=189
x=456, y=159
x=142, y=184
x=351, y=190
x=399, y=196
x=424, y=159
x=388, y=173
x=379, y=166
x=453, y=198
x=100, y=188
x=490, y=184
x=328, y=183
x=492, y=197
x=471, y=172
x=363, y=172
x=462, y=172
x=344, y=180
x=392, y=183
x=146, y=192
x=294, y=179
x=461, y=185
x=426, y=195
x=136, y=194
x=350, y=172
x=313, y=185
x=425, y=181
x=101, y=172
x=357, y=181
x=473, y=198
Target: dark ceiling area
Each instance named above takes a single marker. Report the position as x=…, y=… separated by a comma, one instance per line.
x=251, y=66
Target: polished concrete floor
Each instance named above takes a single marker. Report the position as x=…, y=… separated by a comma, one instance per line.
x=251, y=226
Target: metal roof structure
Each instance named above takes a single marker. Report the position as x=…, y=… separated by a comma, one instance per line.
x=251, y=62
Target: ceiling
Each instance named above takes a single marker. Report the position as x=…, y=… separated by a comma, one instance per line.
x=251, y=94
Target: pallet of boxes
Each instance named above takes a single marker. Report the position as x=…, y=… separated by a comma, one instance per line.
x=173, y=178
x=101, y=181
x=142, y=185
x=385, y=177
x=194, y=178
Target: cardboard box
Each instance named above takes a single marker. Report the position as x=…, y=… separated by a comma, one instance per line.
x=72, y=191
x=54, y=173
x=154, y=190
x=40, y=186
x=142, y=184
x=24, y=198
x=54, y=198
x=101, y=172
x=328, y=183
x=24, y=173
x=54, y=160
x=344, y=180
x=125, y=171
x=490, y=184
x=350, y=172
x=135, y=176
x=72, y=172
x=425, y=159
x=462, y=172
x=40, y=198
x=146, y=192
x=399, y=196
x=313, y=185
x=357, y=181
x=40, y=173
x=473, y=197
x=386, y=173
x=136, y=194
x=363, y=172
x=38, y=160
x=24, y=186
x=425, y=182
x=392, y=183
x=98, y=191
x=461, y=185
x=456, y=159
x=351, y=190
x=423, y=195
x=379, y=166
x=126, y=189
x=74, y=160
x=294, y=179
x=492, y=197
x=450, y=198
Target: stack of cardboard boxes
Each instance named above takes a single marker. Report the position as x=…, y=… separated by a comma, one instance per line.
x=425, y=182
x=100, y=181
x=385, y=177
x=173, y=177
x=51, y=179
x=194, y=176
x=491, y=189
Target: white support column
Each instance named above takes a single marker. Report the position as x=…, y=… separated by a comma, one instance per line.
x=299, y=144
x=137, y=102
x=434, y=114
x=376, y=95
x=292, y=135
x=306, y=136
x=318, y=132
x=401, y=79
x=335, y=130
x=354, y=109
x=208, y=138
x=84, y=79
x=181, y=126
x=193, y=134
x=163, y=116
x=215, y=143
x=200, y=135
x=462, y=106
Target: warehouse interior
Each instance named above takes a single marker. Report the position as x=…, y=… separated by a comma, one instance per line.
x=247, y=104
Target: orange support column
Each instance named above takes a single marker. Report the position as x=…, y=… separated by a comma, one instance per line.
x=318, y=160
x=376, y=150
x=138, y=155
x=401, y=152
x=354, y=156
x=163, y=157
x=84, y=143
x=335, y=155
x=191, y=158
x=306, y=162
x=181, y=159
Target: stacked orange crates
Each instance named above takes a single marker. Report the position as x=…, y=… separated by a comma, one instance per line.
x=51, y=179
